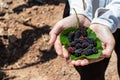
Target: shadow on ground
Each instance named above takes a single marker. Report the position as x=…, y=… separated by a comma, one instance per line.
x=21, y=46
x=31, y=3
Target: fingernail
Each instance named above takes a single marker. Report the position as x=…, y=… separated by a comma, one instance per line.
x=84, y=62
x=68, y=59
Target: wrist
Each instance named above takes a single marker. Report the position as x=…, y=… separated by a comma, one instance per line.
x=97, y=27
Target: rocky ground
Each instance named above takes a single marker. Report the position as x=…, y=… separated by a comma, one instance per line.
x=24, y=50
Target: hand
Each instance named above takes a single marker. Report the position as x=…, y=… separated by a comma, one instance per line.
x=104, y=34
x=60, y=26
x=108, y=42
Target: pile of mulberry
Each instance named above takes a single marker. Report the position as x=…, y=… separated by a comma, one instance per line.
x=81, y=44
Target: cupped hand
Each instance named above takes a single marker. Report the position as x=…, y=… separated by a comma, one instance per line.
x=69, y=21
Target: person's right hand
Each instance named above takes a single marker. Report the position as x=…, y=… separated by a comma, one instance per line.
x=69, y=21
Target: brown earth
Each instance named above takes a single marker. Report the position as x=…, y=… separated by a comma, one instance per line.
x=24, y=50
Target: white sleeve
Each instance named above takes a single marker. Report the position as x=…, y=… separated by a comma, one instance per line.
x=78, y=6
x=109, y=16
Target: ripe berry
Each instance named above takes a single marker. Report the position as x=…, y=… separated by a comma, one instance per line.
x=84, y=33
x=77, y=41
x=78, y=45
x=87, y=52
x=81, y=37
x=77, y=34
x=90, y=46
x=78, y=52
x=95, y=50
x=85, y=44
x=72, y=44
x=71, y=50
x=90, y=40
x=71, y=36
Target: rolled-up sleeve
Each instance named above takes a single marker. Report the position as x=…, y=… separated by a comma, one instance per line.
x=109, y=16
x=78, y=6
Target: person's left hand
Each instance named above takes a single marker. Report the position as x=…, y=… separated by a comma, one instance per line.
x=108, y=42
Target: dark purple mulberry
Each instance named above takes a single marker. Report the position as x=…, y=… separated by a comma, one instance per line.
x=71, y=50
x=78, y=52
x=87, y=52
x=85, y=44
x=71, y=36
x=77, y=34
x=95, y=50
x=72, y=44
x=78, y=45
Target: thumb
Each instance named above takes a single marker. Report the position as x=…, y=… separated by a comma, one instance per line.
x=55, y=32
x=52, y=38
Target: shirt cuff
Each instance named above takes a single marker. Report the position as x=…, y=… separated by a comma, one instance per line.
x=78, y=6
x=104, y=22
x=105, y=17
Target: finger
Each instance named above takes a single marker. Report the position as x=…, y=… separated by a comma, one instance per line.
x=55, y=32
x=107, y=52
x=80, y=62
x=58, y=46
x=86, y=61
x=108, y=49
x=65, y=52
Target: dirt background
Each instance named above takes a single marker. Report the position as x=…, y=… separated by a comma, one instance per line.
x=24, y=50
